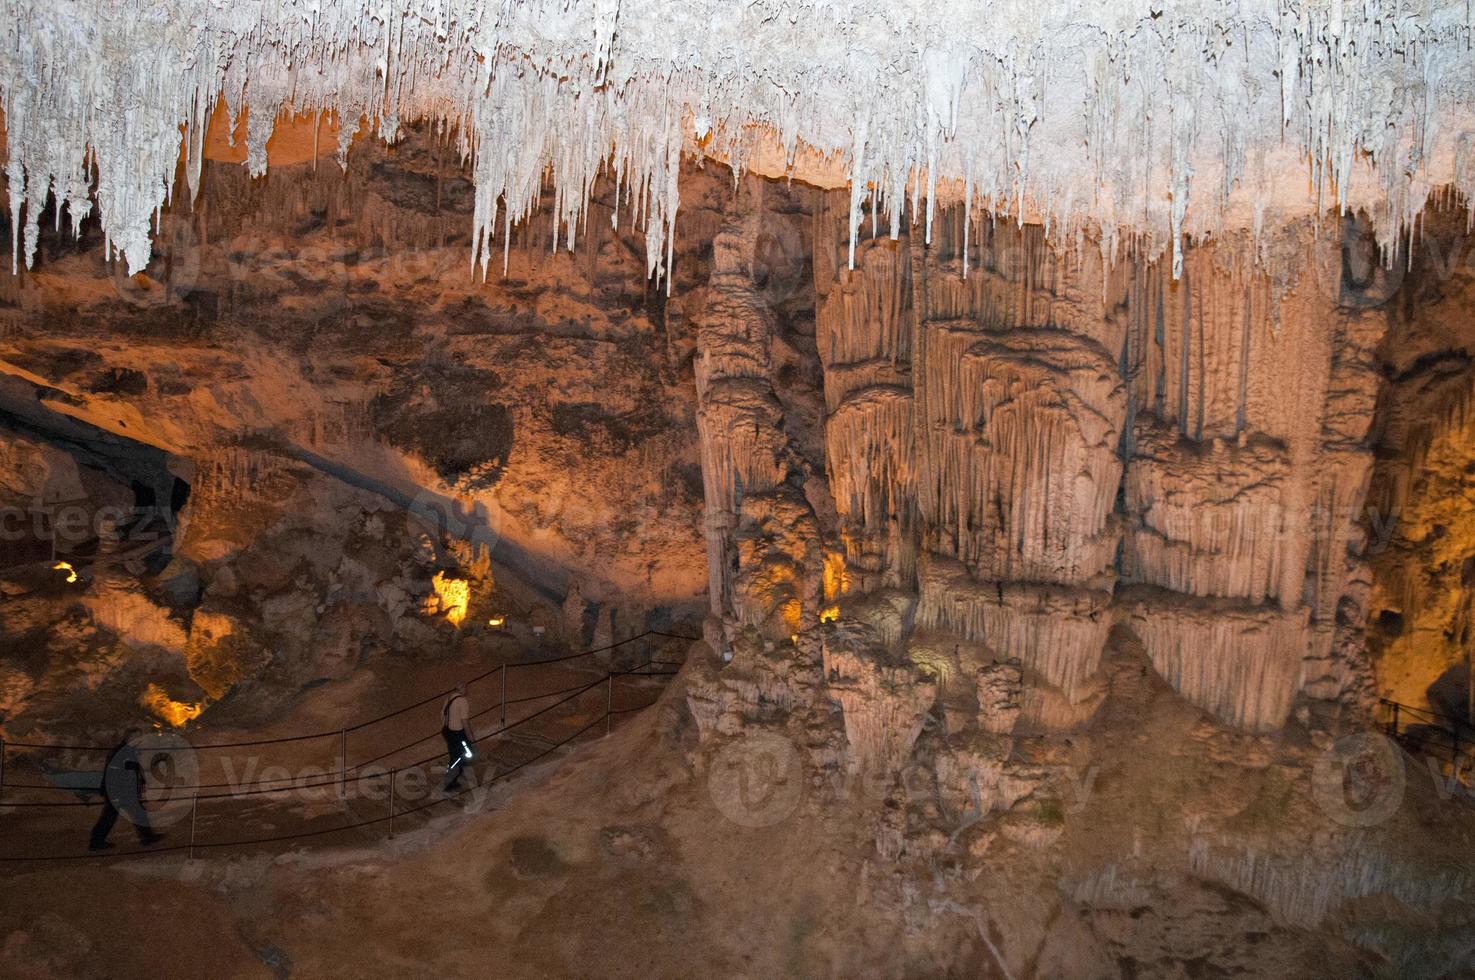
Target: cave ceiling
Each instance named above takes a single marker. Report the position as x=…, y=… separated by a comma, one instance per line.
x=1123, y=121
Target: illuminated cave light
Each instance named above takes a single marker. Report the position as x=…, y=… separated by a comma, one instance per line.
x=66, y=566
x=836, y=580
x=791, y=611
x=454, y=595
x=172, y=712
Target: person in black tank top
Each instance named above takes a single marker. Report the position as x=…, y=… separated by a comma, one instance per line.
x=455, y=728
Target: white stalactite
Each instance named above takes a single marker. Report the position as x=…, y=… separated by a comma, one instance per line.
x=1150, y=120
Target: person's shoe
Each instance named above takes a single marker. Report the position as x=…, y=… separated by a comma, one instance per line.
x=149, y=840
x=101, y=845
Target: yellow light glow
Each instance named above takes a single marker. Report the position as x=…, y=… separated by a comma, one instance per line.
x=174, y=713
x=66, y=566
x=454, y=595
x=829, y=614
x=791, y=611
x=836, y=580
x=497, y=621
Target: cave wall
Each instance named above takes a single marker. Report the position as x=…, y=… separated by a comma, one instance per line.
x=358, y=410
x=1028, y=445
x=1421, y=504
x=985, y=444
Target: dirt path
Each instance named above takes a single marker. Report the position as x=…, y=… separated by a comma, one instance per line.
x=258, y=792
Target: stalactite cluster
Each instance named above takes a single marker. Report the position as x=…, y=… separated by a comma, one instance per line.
x=1144, y=121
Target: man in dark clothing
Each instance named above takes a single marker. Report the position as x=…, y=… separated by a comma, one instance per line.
x=122, y=790
x=455, y=728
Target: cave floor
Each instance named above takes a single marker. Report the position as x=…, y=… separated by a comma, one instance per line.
x=620, y=859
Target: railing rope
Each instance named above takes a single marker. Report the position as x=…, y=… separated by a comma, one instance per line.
x=190, y=846
x=392, y=774
x=1431, y=720
x=373, y=721
x=306, y=834
x=343, y=764
x=194, y=809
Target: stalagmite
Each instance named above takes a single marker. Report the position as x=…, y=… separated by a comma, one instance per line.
x=884, y=702
x=764, y=556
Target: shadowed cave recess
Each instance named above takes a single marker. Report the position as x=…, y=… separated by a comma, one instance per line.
x=959, y=534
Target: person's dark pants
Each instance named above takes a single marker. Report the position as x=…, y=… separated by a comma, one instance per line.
x=109, y=816
x=456, y=746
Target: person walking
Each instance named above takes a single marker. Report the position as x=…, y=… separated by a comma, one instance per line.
x=455, y=728
x=122, y=791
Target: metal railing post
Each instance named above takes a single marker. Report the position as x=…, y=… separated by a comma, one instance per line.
x=194, y=810
x=609, y=700
x=504, y=695
x=343, y=764
x=392, y=774
x=1395, y=719
x=2, y=769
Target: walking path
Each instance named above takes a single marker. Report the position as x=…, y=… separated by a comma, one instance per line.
x=364, y=781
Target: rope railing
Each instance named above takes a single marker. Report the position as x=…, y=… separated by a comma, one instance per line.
x=390, y=817
x=337, y=776
x=1399, y=708
x=360, y=726
x=325, y=779
x=565, y=696
x=1403, y=720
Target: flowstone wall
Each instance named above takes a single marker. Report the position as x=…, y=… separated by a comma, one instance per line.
x=1025, y=446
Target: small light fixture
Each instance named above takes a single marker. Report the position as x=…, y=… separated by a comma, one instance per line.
x=66, y=566
x=497, y=622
